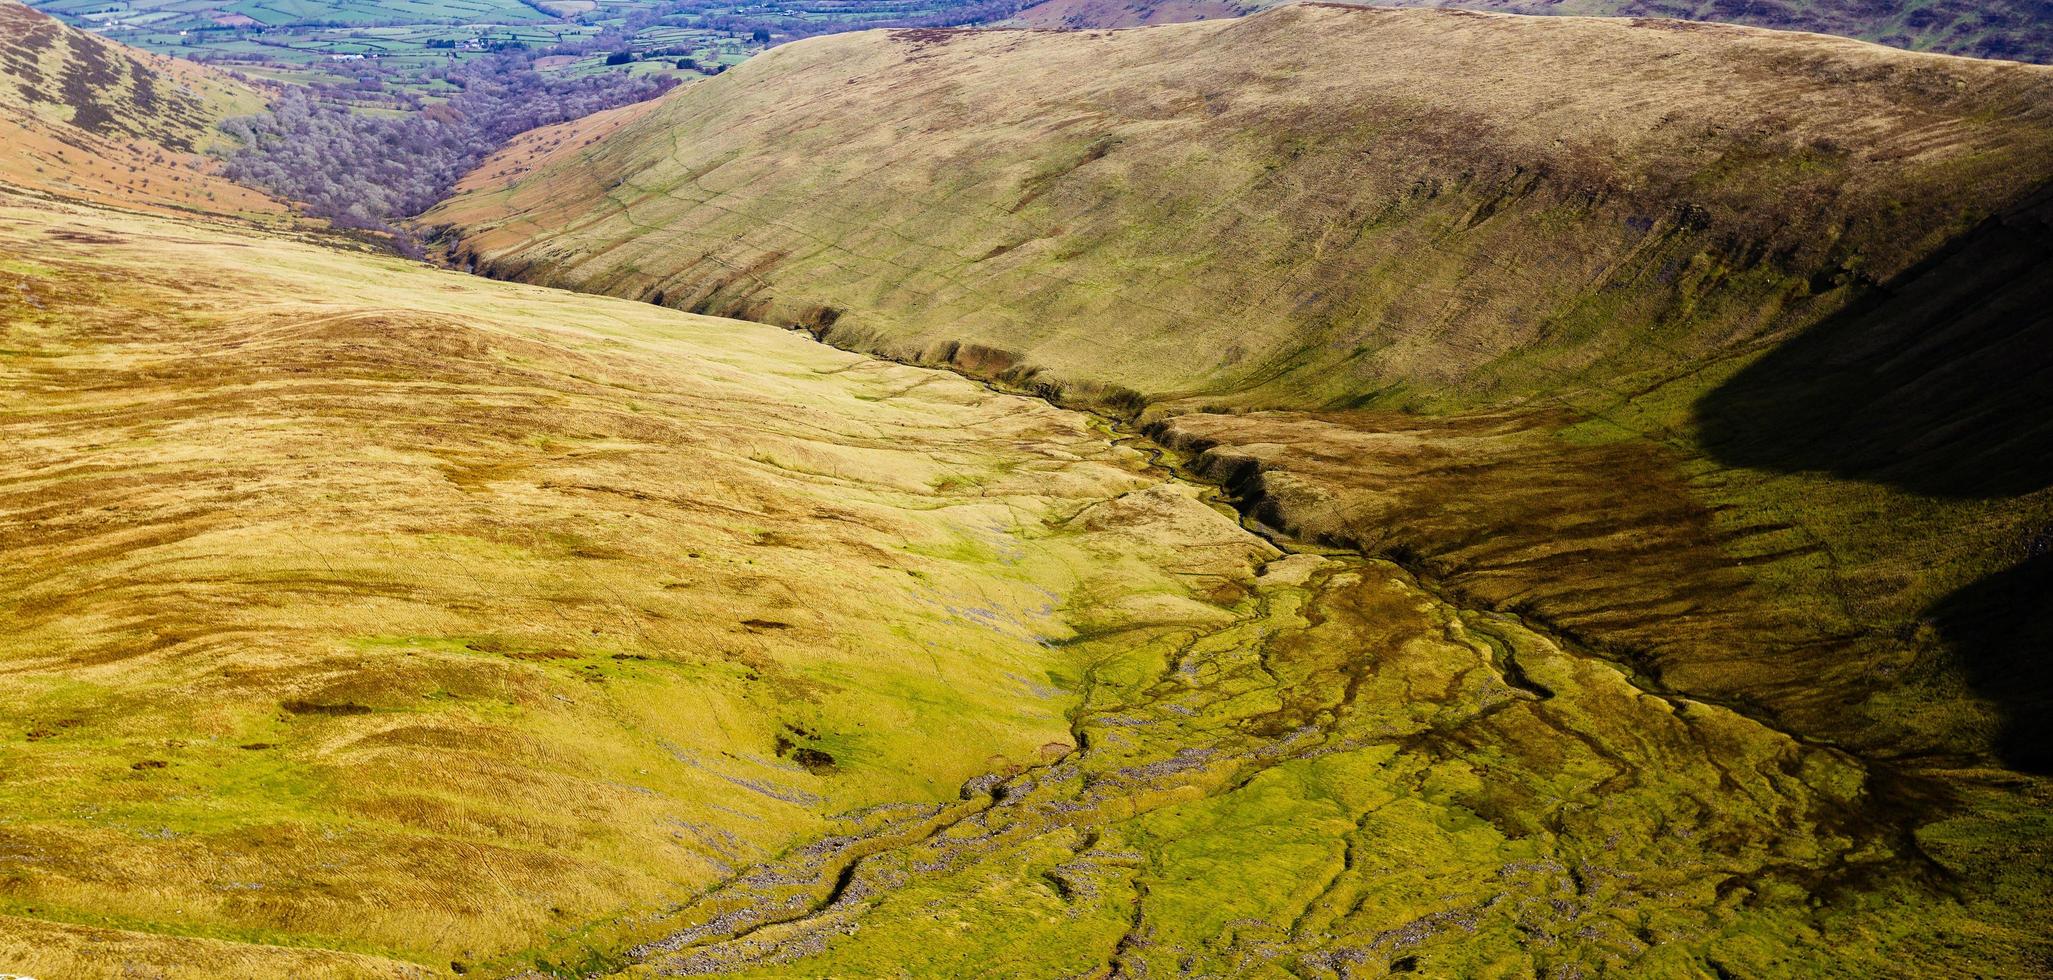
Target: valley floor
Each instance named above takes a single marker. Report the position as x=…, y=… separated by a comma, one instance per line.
x=372, y=620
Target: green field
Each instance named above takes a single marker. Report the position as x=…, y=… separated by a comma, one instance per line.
x=403, y=42
x=328, y=41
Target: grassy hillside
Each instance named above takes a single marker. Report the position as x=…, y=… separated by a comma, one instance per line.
x=362, y=606
x=1710, y=347
x=367, y=620
x=1350, y=207
x=2018, y=30
x=370, y=620
x=83, y=117
x=1088, y=15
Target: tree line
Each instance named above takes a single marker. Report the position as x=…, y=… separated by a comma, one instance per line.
x=370, y=171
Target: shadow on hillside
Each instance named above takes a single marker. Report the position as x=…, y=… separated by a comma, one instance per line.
x=2002, y=629
x=1936, y=382
x=1940, y=383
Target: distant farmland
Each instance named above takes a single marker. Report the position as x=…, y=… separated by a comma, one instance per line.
x=399, y=45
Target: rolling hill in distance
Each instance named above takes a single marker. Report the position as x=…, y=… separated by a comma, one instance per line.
x=1331, y=493
x=2015, y=30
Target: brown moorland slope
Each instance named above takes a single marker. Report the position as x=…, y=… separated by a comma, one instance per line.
x=1641, y=240
x=2019, y=30
x=1086, y=15
x=1318, y=206
x=362, y=617
x=370, y=620
x=83, y=117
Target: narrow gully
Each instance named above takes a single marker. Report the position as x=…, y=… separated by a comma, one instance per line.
x=727, y=939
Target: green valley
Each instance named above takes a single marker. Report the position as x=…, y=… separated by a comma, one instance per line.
x=1561, y=315
x=1332, y=493
x=380, y=50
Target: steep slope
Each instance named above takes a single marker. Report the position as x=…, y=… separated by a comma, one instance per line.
x=1318, y=206
x=1410, y=218
x=2019, y=30
x=367, y=620
x=357, y=605
x=84, y=117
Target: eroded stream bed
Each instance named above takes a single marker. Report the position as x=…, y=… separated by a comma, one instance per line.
x=1350, y=778
x=1346, y=773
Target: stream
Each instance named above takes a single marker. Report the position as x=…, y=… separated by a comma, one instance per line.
x=1369, y=776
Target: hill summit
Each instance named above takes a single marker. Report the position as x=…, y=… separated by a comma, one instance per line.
x=2014, y=29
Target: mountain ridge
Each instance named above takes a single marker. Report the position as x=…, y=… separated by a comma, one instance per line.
x=1488, y=185
x=2013, y=29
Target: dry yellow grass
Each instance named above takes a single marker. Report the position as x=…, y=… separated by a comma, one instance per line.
x=1577, y=219
x=370, y=620
x=357, y=605
x=85, y=118
x=1707, y=347
x=2012, y=29
x=1315, y=206
x=1582, y=222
